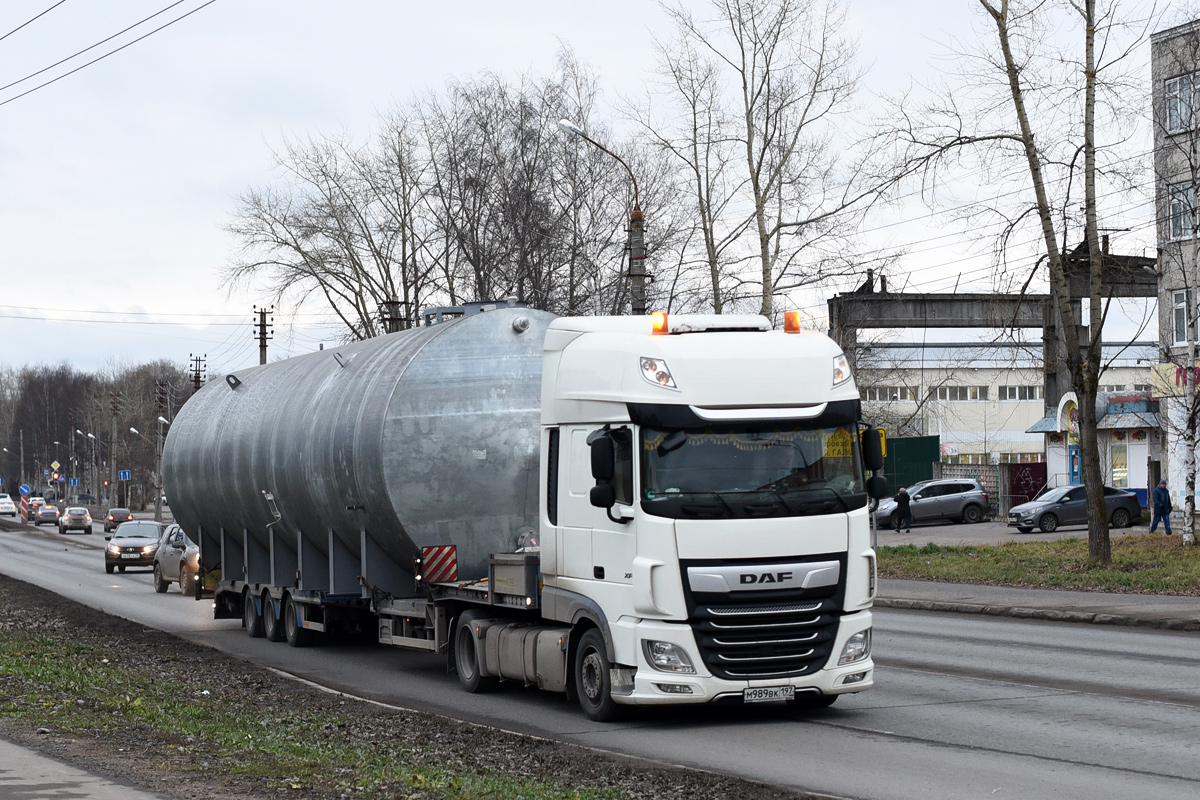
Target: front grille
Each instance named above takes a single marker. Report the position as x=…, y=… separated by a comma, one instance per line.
x=782, y=633
x=765, y=641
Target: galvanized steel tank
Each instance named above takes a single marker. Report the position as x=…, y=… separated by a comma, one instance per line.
x=427, y=436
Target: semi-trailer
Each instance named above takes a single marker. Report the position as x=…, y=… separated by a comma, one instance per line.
x=634, y=511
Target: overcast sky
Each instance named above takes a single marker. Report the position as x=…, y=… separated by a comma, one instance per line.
x=115, y=181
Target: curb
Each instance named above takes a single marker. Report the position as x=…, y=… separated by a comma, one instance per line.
x=1049, y=614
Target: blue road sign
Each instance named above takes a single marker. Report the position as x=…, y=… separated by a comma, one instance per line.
x=46, y=473
x=124, y=475
x=74, y=481
x=24, y=489
x=1, y=481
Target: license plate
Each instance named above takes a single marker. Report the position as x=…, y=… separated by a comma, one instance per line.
x=131, y=555
x=768, y=694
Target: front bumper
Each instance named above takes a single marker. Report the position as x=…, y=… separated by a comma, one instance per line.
x=654, y=687
x=142, y=560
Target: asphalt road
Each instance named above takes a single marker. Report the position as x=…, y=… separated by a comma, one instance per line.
x=964, y=707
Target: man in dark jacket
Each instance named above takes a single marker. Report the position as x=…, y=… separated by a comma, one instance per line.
x=903, y=512
x=1162, y=508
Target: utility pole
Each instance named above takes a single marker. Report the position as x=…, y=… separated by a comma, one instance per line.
x=389, y=315
x=22, y=457
x=197, y=370
x=262, y=334
x=637, y=227
x=112, y=445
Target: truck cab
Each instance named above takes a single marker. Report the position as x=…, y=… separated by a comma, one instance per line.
x=704, y=513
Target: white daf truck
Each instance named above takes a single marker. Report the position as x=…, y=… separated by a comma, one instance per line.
x=635, y=511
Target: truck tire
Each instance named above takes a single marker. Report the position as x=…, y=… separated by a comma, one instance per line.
x=466, y=660
x=293, y=629
x=272, y=619
x=160, y=584
x=593, y=683
x=252, y=621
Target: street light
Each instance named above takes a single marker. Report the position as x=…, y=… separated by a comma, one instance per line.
x=157, y=469
x=637, y=227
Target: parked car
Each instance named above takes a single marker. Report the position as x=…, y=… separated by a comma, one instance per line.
x=132, y=545
x=115, y=517
x=75, y=518
x=7, y=507
x=46, y=513
x=177, y=560
x=1067, y=505
x=951, y=499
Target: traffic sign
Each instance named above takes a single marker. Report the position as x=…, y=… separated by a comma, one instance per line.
x=54, y=465
x=74, y=481
x=45, y=473
x=124, y=475
x=24, y=489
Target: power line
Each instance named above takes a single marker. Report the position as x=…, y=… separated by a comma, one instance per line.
x=111, y=52
x=39, y=16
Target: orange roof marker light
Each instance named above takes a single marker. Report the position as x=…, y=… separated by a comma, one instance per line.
x=659, y=322
x=791, y=322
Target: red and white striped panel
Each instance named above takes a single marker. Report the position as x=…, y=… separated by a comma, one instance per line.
x=441, y=563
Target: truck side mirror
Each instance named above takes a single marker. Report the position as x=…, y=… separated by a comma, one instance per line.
x=603, y=456
x=872, y=449
x=877, y=487
x=603, y=495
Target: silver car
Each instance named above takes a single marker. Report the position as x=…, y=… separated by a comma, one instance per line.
x=177, y=559
x=7, y=507
x=949, y=499
x=75, y=518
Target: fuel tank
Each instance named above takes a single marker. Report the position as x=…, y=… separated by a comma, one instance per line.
x=423, y=437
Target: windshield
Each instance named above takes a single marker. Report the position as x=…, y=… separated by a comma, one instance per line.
x=783, y=469
x=1054, y=495
x=138, y=530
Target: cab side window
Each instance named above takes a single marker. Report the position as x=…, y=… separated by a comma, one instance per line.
x=623, y=468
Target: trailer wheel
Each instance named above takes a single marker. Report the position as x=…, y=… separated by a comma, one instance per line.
x=272, y=624
x=466, y=660
x=252, y=621
x=593, y=682
x=293, y=624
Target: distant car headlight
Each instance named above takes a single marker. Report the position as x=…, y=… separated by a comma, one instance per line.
x=148, y=548
x=113, y=548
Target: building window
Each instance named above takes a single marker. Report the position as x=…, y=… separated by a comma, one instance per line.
x=1181, y=103
x=1141, y=387
x=958, y=394
x=1182, y=309
x=1111, y=387
x=1021, y=392
x=1181, y=210
x=889, y=393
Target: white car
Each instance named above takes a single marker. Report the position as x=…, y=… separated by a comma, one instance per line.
x=7, y=507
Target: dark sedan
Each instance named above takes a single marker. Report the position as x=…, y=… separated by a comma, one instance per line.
x=1067, y=505
x=133, y=545
x=115, y=517
x=46, y=514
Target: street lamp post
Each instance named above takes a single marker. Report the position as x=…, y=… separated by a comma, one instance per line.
x=157, y=468
x=637, y=228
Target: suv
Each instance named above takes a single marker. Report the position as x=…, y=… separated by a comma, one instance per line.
x=957, y=499
x=75, y=518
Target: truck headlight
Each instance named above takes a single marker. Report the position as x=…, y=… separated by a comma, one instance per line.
x=857, y=648
x=667, y=657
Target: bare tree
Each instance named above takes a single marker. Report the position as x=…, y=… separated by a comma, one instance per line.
x=762, y=85
x=1035, y=103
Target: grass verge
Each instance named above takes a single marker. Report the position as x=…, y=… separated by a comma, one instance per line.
x=1140, y=564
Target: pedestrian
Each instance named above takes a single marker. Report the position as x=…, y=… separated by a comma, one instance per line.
x=903, y=512
x=1162, y=508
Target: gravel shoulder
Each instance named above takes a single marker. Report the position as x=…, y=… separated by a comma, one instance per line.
x=163, y=758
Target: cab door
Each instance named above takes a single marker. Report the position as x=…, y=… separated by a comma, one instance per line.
x=591, y=545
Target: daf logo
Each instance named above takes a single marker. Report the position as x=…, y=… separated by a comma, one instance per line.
x=765, y=577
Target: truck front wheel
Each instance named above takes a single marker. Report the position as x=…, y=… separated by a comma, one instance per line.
x=593, y=681
x=466, y=658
